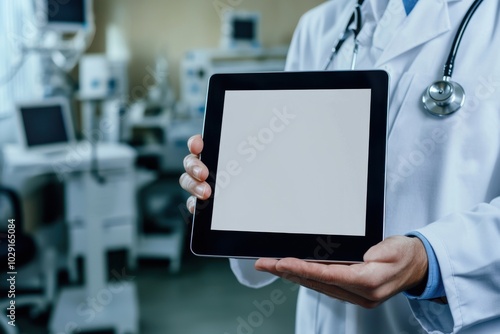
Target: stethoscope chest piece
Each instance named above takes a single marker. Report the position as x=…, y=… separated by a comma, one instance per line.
x=443, y=98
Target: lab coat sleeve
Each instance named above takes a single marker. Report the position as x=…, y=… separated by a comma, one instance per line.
x=467, y=246
x=247, y=275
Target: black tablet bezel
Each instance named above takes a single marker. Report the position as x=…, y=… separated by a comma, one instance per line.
x=336, y=248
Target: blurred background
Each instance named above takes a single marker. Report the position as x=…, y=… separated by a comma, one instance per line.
x=97, y=101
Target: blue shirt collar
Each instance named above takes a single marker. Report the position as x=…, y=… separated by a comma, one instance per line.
x=409, y=4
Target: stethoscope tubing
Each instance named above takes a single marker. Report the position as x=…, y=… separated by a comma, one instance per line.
x=450, y=62
x=356, y=16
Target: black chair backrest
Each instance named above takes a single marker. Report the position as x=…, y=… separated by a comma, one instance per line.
x=24, y=245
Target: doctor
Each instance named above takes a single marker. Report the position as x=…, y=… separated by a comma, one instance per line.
x=438, y=270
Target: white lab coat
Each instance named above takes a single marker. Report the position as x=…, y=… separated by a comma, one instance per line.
x=443, y=175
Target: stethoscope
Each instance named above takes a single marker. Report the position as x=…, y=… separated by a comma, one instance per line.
x=441, y=98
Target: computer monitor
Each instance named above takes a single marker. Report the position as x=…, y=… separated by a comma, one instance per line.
x=244, y=29
x=66, y=16
x=45, y=125
x=240, y=29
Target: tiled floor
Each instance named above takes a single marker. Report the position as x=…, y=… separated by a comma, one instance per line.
x=204, y=298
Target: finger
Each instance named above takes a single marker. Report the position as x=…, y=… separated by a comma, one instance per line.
x=199, y=189
x=329, y=274
x=195, y=144
x=265, y=264
x=333, y=291
x=269, y=265
x=286, y=268
x=190, y=203
x=326, y=273
x=195, y=168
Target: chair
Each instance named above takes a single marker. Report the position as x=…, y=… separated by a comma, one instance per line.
x=162, y=231
x=34, y=267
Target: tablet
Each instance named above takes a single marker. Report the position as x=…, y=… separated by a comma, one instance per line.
x=297, y=165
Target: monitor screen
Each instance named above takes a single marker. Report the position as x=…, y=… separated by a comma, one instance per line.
x=243, y=29
x=44, y=125
x=240, y=30
x=70, y=11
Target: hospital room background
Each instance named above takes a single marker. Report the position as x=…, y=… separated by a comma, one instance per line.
x=97, y=101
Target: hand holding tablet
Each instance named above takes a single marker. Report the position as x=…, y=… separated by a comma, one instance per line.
x=297, y=165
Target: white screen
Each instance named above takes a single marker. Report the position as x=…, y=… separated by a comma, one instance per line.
x=293, y=161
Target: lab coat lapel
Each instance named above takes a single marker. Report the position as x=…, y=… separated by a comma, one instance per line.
x=428, y=20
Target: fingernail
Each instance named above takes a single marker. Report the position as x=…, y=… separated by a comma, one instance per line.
x=197, y=171
x=200, y=190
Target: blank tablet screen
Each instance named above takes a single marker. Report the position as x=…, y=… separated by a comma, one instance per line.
x=293, y=161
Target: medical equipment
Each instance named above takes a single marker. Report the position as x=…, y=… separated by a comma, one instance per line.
x=106, y=212
x=240, y=30
x=63, y=33
x=45, y=125
x=68, y=16
x=441, y=98
x=198, y=65
x=95, y=77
